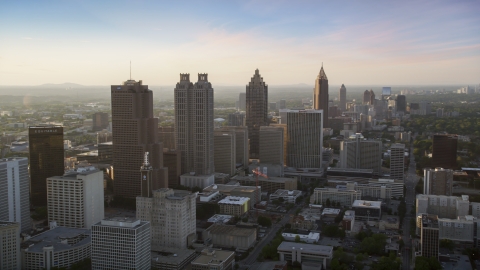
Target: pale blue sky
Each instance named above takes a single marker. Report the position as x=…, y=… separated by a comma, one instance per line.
x=359, y=42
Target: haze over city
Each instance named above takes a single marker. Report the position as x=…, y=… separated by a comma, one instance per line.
x=388, y=42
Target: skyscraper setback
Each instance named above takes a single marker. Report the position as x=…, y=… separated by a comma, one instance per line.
x=135, y=131
x=194, y=124
x=320, y=95
x=257, y=111
x=46, y=160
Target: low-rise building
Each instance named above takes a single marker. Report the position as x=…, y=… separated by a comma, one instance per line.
x=334, y=195
x=290, y=196
x=252, y=192
x=235, y=206
x=330, y=212
x=389, y=223
x=192, y=180
x=59, y=247
x=219, y=219
x=348, y=221
x=214, y=259
x=310, y=238
x=367, y=210
x=172, y=259
x=442, y=206
x=300, y=252
x=270, y=184
x=228, y=236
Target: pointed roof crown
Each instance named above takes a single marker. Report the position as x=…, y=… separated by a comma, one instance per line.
x=321, y=74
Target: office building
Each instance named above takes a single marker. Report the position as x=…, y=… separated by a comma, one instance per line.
x=285, y=141
x=227, y=236
x=442, y=206
x=225, y=152
x=105, y=153
x=366, y=97
x=236, y=119
x=270, y=184
x=310, y=238
x=320, y=95
x=342, y=97
x=10, y=245
x=166, y=135
x=397, y=161
x=14, y=192
x=358, y=153
x=334, y=196
x=271, y=145
x=121, y=243
x=242, y=101
x=401, y=103
x=235, y=206
x=172, y=258
x=281, y=104
x=251, y=192
x=194, y=124
x=444, y=151
x=135, y=131
x=214, y=259
x=99, y=121
x=367, y=210
x=46, y=160
x=289, y=196
x=460, y=230
x=59, y=247
x=257, y=111
x=75, y=200
x=429, y=236
x=305, y=253
x=241, y=143
x=305, y=138
x=437, y=181
x=172, y=159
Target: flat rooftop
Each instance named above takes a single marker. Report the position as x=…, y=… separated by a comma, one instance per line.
x=306, y=248
x=284, y=192
x=220, y=218
x=55, y=237
x=231, y=230
x=367, y=204
x=126, y=222
x=213, y=257
x=170, y=255
x=234, y=200
x=330, y=211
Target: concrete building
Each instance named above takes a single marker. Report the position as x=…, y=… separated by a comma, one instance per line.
x=241, y=144
x=242, y=101
x=171, y=215
x=75, y=200
x=251, y=192
x=121, y=243
x=56, y=248
x=289, y=196
x=135, y=131
x=14, y=192
x=172, y=258
x=429, y=236
x=442, y=206
x=397, y=161
x=305, y=138
x=320, y=95
x=348, y=222
x=310, y=238
x=214, y=259
x=270, y=184
x=358, y=153
x=202, y=181
x=334, y=195
x=367, y=210
x=300, y=252
x=46, y=159
x=395, y=185
x=166, y=135
x=437, y=181
x=461, y=230
x=225, y=152
x=475, y=209
x=401, y=103
x=10, y=245
x=389, y=223
x=236, y=119
x=342, y=97
x=194, y=124
x=99, y=121
x=257, y=111
x=172, y=159
x=271, y=145
x=228, y=236
x=235, y=206
x=444, y=151
x=105, y=153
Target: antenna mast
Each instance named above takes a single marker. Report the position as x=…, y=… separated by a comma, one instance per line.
x=130, y=69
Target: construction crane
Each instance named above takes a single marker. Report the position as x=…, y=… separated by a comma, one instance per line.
x=257, y=172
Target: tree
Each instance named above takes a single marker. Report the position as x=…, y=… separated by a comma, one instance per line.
x=424, y=263
x=447, y=243
x=374, y=244
x=264, y=221
x=297, y=238
x=387, y=263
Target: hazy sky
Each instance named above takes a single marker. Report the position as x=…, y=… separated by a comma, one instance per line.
x=359, y=42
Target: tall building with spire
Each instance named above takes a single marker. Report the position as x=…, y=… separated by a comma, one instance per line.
x=194, y=124
x=366, y=97
x=320, y=95
x=257, y=111
x=135, y=131
x=342, y=96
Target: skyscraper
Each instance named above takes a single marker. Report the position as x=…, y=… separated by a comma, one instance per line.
x=46, y=160
x=257, y=111
x=437, y=181
x=372, y=97
x=320, y=95
x=225, y=151
x=357, y=153
x=241, y=143
x=194, y=124
x=242, y=101
x=99, y=121
x=366, y=97
x=342, y=96
x=444, y=151
x=397, y=161
x=429, y=236
x=305, y=138
x=135, y=131
x=271, y=145
x=14, y=194
x=401, y=103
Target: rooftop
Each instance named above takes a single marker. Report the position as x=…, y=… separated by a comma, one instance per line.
x=284, y=192
x=310, y=248
x=212, y=256
x=171, y=255
x=234, y=200
x=61, y=238
x=230, y=230
x=367, y=204
x=128, y=222
x=219, y=218
x=330, y=211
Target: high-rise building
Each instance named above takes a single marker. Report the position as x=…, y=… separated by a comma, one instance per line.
x=194, y=124
x=444, y=151
x=14, y=192
x=46, y=160
x=438, y=181
x=372, y=97
x=358, y=153
x=305, y=138
x=257, y=111
x=285, y=141
x=429, y=236
x=281, y=104
x=366, y=97
x=75, y=199
x=271, y=145
x=10, y=245
x=401, y=103
x=121, y=243
x=135, y=131
x=99, y=121
x=320, y=95
x=166, y=135
x=225, y=152
x=172, y=159
x=342, y=96
x=241, y=143
x=242, y=101
x=397, y=161
x=236, y=119
x=442, y=206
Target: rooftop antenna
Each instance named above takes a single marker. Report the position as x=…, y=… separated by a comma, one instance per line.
x=131, y=69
